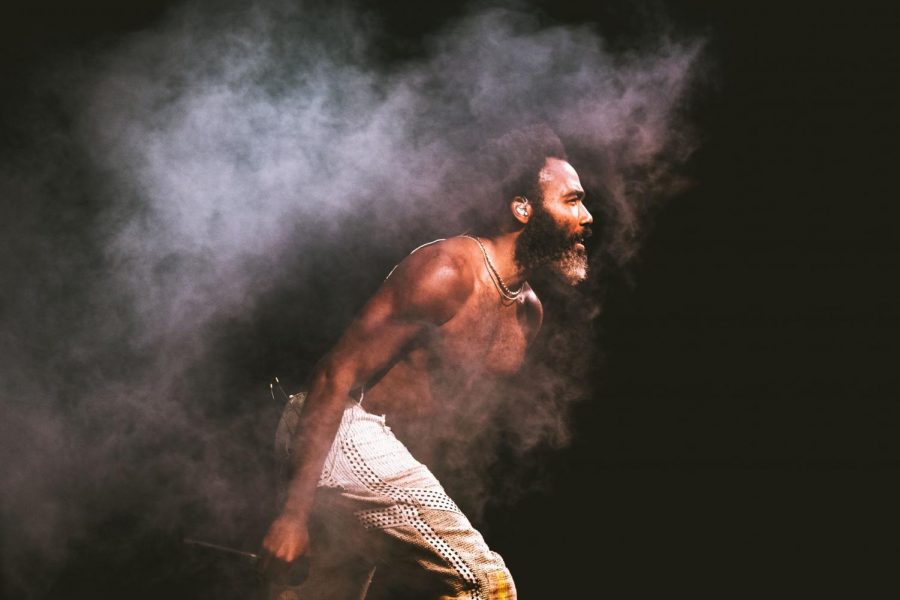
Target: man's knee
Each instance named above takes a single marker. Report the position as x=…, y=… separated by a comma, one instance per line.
x=490, y=580
x=498, y=585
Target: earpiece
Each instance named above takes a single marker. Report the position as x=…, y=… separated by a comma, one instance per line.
x=522, y=206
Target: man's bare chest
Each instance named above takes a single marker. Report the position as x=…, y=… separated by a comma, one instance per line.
x=476, y=345
x=490, y=338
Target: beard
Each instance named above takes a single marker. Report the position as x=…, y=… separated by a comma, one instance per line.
x=545, y=245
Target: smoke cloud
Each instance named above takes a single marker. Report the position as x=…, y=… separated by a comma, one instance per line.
x=202, y=205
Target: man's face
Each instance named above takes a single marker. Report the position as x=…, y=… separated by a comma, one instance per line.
x=557, y=226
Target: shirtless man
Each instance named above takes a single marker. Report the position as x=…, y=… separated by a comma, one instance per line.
x=456, y=310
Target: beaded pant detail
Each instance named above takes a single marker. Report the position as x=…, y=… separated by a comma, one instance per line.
x=395, y=496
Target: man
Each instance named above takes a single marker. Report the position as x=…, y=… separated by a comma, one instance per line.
x=450, y=314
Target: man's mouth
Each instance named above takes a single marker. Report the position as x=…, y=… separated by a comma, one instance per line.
x=579, y=240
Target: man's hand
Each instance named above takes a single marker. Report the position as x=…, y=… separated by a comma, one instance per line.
x=286, y=543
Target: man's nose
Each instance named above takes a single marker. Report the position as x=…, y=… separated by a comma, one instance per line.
x=586, y=218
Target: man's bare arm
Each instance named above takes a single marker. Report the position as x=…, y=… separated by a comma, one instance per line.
x=426, y=290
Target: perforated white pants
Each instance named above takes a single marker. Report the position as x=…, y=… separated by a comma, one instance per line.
x=394, y=495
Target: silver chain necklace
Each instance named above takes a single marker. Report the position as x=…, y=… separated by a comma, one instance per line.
x=498, y=281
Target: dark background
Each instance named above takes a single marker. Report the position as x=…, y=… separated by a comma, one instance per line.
x=742, y=435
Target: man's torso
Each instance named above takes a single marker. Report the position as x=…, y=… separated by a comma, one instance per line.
x=485, y=339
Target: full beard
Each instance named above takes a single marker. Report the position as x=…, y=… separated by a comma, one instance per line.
x=544, y=245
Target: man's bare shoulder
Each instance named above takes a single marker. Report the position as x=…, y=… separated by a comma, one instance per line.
x=451, y=261
x=437, y=278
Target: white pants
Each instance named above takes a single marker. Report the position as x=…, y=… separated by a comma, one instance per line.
x=393, y=496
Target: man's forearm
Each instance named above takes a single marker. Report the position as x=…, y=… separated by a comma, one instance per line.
x=319, y=421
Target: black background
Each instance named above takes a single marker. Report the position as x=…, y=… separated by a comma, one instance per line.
x=742, y=439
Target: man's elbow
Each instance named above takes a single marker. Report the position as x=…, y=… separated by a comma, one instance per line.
x=332, y=379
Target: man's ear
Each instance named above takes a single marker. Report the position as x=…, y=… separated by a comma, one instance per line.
x=521, y=209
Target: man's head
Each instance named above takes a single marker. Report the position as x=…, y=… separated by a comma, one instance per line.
x=521, y=155
x=541, y=197
x=554, y=223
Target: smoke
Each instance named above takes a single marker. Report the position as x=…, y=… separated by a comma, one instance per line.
x=188, y=190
